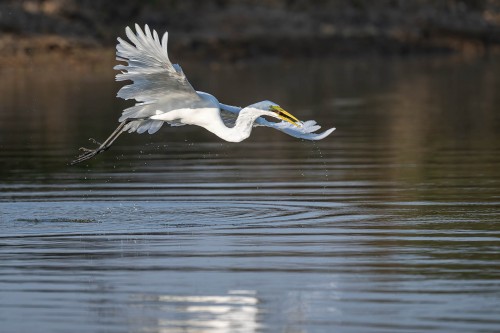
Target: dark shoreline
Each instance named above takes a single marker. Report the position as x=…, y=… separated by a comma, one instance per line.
x=231, y=31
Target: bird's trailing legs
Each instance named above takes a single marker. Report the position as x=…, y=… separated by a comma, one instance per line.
x=89, y=153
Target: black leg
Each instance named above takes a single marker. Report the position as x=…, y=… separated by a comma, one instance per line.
x=89, y=153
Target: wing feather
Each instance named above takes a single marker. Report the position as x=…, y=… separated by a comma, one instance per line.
x=306, y=131
x=157, y=84
x=228, y=118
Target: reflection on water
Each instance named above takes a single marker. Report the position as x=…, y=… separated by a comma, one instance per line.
x=235, y=312
x=389, y=225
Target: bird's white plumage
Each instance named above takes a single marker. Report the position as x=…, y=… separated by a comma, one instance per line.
x=160, y=86
x=157, y=84
x=163, y=94
x=306, y=129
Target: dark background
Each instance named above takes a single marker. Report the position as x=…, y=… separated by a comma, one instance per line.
x=230, y=30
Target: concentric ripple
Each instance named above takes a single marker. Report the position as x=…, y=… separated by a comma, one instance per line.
x=390, y=225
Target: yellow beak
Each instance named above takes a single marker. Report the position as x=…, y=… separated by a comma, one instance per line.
x=282, y=114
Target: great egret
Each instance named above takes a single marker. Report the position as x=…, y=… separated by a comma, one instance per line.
x=163, y=94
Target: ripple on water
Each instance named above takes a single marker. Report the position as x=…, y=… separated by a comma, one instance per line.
x=334, y=261
x=390, y=225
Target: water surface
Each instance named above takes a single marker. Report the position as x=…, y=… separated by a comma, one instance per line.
x=389, y=225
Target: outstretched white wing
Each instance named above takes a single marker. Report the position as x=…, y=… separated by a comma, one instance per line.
x=305, y=131
x=157, y=84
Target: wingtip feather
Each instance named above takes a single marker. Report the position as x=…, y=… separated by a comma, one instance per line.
x=156, y=38
x=164, y=40
x=323, y=135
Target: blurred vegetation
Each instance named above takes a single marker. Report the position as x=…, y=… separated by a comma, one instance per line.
x=236, y=29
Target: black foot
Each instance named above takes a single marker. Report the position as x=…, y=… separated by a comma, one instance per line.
x=95, y=141
x=88, y=154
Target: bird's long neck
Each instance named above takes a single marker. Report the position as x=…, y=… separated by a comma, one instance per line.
x=240, y=131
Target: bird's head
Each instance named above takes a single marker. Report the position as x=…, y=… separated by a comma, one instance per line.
x=277, y=112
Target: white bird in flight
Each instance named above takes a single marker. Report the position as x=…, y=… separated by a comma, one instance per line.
x=163, y=94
